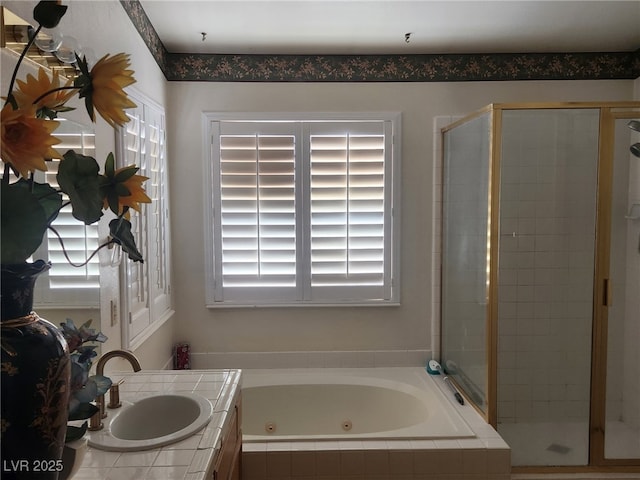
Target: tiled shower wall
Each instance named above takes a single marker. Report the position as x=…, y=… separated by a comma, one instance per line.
x=547, y=224
x=546, y=258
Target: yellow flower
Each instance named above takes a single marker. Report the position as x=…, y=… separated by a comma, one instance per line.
x=136, y=196
x=31, y=90
x=108, y=78
x=26, y=139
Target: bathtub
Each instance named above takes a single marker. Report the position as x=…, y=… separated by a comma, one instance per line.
x=403, y=403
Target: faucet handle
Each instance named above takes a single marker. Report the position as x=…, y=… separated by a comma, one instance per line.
x=114, y=395
x=95, y=422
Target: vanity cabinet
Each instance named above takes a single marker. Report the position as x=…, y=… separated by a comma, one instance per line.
x=227, y=465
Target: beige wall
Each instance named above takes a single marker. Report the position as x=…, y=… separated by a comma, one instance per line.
x=299, y=329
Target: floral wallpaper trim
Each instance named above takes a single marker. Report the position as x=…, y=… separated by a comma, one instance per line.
x=139, y=18
x=402, y=68
x=382, y=68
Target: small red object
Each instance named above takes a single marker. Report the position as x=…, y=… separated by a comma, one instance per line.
x=181, y=358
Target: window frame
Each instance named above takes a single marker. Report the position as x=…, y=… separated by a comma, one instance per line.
x=299, y=296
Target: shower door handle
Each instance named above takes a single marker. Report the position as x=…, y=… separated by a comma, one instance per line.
x=606, y=294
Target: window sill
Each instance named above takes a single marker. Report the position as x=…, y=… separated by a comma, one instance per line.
x=301, y=305
x=145, y=334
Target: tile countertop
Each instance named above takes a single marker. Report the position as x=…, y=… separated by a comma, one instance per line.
x=189, y=459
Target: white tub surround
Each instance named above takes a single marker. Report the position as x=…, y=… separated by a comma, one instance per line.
x=190, y=459
x=473, y=452
x=347, y=404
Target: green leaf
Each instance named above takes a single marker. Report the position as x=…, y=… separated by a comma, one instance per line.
x=126, y=173
x=121, y=190
x=120, y=230
x=78, y=177
x=84, y=70
x=75, y=433
x=48, y=13
x=88, y=102
x=84, y=411
x=49, y=198
x=110, y=165
x=114, y=201
x=23, y=222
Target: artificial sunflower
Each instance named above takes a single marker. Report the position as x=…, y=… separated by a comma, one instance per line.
x=33, y=90
x=26, y=140
x=136, y=195
x=103, y=87
x=122, y=188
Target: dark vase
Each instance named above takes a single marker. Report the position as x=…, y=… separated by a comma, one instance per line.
x=35, y=381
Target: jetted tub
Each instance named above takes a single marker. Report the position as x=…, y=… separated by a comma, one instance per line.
x=347, y=403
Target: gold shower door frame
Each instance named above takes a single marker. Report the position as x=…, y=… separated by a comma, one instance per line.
x=609, y=113
x=602, y=286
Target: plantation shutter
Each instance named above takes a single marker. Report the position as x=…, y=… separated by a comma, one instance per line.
x=65, y=284
x=257, y=232
x=134, y=139
x=348, y=220
x=146, y=286
x=300, y=212
x=157, y=212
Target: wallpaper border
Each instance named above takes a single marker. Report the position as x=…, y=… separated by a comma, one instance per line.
x=382, y=68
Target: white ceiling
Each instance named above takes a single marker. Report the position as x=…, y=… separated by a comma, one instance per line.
x=379, y=27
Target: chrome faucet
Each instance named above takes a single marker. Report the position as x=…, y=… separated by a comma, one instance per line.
x=95, y=422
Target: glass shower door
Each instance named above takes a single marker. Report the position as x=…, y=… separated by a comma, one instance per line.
x=464, y=249
x=548, y=187
x=622, y=425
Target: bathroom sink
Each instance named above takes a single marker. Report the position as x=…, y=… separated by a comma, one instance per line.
x=152, y=422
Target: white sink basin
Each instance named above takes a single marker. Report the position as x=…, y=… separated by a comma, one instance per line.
x=152, y=422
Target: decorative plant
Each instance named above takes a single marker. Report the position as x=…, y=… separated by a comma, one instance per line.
x=29, y=208
x=28, y=123
x=84, y=389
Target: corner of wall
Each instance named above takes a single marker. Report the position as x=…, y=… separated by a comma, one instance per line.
x=155, y=353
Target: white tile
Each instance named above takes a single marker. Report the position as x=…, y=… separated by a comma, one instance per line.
x=174, y=457
x=99, y=458
x=136, y=459
x=127, y=473
x=167, y=473
x=91, y=473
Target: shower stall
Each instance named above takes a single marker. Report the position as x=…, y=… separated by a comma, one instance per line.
x=540, y=324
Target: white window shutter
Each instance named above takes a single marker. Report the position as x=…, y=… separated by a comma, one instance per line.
x=157, y=212
x=146, y=287
x=134, y=150
x=255, y=195
x=64, y=284
x=301, y=211
x=347, y=210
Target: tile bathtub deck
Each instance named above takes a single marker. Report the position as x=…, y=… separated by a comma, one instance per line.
x=485, y=457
